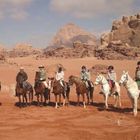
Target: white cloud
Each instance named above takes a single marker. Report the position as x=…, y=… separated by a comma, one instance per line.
x=15, y=9
x=91, y=8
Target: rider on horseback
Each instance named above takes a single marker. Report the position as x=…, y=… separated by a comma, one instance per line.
x=111, y=77
x=85, y=76
x=137, y=74
x=22, y=77
x=60, y=77
x=42, y=76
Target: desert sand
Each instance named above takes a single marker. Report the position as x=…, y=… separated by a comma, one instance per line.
x=69, y=123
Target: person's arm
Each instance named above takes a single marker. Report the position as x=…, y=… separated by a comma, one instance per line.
x=57, y=76
x=26, y=76
x=108, y=77
x=114, y=76
x=17, y=77
x=88, y=75
x=81, y=75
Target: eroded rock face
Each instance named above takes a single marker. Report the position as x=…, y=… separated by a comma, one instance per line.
x=118, y=51
x=23, y=50
x=79, y=50
x=123, y=42
x=127, y=30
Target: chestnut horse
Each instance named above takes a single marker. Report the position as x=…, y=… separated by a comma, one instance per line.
x=23, y=93
x=81, y=89
x=42, y=93
x=59, y=90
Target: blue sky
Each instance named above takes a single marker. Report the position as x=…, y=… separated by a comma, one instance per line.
x=36, y=21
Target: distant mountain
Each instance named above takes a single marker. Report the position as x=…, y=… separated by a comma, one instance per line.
x=71, y=33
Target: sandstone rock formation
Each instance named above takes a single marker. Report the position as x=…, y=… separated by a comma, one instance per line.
x=79, y=50
x=123, y=42
x=71, y=33
x=127, y=30
x=23, y=50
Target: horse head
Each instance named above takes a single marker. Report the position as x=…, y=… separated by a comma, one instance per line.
x=98, y=79
x=124, y=78
x=71, y=80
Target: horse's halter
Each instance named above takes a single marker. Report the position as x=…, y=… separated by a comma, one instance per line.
x=99, y=79
x=124, y=79
x=70, y=81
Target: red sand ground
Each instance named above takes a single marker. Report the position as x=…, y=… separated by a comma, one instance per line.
x=69, y=123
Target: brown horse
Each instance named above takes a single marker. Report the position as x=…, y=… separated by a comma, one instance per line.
x=42, y=93
x=81, y=89
x=59, y=90
x=24, y=93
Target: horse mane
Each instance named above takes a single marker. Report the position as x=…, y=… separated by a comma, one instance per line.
x=130, y=79
x=75, y=77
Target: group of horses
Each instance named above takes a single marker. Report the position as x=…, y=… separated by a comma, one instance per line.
x=43, y=94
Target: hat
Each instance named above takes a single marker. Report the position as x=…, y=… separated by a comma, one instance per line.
x=110, y=67
x=138, y=63
x=41, y=66
x=83, y=67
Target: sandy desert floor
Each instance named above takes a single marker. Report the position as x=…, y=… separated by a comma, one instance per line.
x=69, y=123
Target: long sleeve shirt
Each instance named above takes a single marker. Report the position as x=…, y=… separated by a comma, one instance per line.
x=137, y=74
x=111, y=76
x=59, y=75
x=85, y=75
x=21, y=76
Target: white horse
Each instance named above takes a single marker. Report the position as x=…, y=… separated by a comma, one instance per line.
x=132, y=90
x=105, y=88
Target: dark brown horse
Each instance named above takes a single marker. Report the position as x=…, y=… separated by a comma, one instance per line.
x=42, y=93
x=59, y=90
x=81, y=89
x=25, y=94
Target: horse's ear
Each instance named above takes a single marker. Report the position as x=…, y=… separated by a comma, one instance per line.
x=124, y=72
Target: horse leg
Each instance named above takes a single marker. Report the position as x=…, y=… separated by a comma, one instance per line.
x=19, y=97
x=91, y=95
x=88, y=97
x=41, y=99
x=56, y=104
x=38, y=99
x=26, y=100
x=78, y=98
x=30, y=97
x=119, y=100
x=84, y=103
x=106, y=101
x=49, y=96
x=116, y=100
x=135, y=106
x=59, y=99
x=64, y=98
x=23, y=99
x=67, y=96
x=45, y=100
